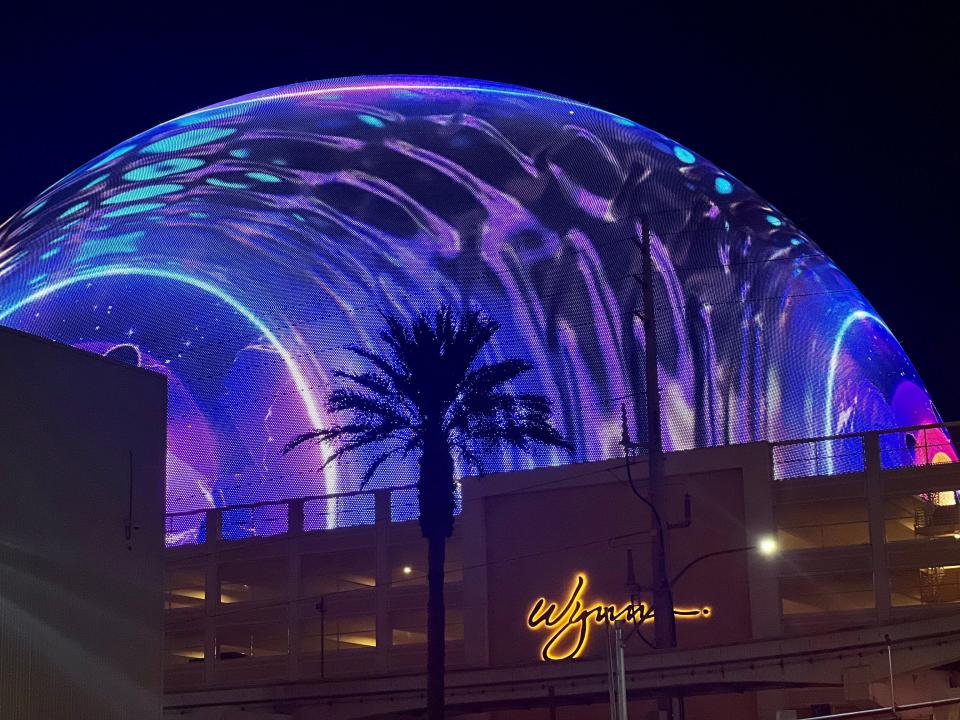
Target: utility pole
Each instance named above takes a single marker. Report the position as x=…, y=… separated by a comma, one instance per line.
x=616, y=671
x=664, y=622
x=665, y=628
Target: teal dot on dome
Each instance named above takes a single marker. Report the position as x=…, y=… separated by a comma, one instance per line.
x=73, y=208
x=371, y=120
x=723, y=186
x=211, y=114
x=143, y=192
x=684, y=155
x=263, y=177
x=623, y=121
x=112, y=156
x=240, y=153
x=774, y=220
x=113, y=245
x=162, y=169
x=132, y=209
x=795, y=241
x=188, y=139
x=96, y=181
x=36, y=207
x=226, y=184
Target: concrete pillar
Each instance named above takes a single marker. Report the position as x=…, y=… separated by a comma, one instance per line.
x=878, y=533
x=759, y=521
x=214, y=528
x=294, y=589
x=295, y=518
x=472, y=529
x=384, y=578
x=771, y=704
x=211, y=595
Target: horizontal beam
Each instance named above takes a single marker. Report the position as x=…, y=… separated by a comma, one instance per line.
x=793, y=662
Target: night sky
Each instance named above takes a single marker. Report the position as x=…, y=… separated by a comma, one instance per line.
x=839, y=116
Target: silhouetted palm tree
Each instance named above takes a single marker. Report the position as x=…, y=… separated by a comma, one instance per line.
x=427, y=393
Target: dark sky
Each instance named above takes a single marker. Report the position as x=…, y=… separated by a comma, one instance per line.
x=839, y=115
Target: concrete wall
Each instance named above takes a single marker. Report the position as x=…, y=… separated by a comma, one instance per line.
x=525, y=535
x=542, y=528
x=80, y=605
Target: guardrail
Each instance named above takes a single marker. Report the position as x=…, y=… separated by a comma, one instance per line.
x=902, y=447
x=272, y=518
x=913, y=446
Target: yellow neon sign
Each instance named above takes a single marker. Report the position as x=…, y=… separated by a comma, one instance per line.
x=571, y=623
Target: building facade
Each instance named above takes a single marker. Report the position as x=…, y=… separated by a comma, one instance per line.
x=82, y=461
x=304, y=621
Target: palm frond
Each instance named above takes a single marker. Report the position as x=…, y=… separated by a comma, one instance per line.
x=489, y=377
x=306, y=437
x=398, y=375
x=375, y=465
x=428, y=380
x=368, y=409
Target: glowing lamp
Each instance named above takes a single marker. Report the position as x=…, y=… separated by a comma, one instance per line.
x=768, y=546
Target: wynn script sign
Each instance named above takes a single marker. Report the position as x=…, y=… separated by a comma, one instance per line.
x=569, y=625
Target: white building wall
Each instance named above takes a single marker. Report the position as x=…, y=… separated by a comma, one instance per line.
x=80, y=605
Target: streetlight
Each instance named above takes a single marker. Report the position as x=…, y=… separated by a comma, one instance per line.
x=766, y=546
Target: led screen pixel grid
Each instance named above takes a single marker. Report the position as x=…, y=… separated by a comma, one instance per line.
x=239, y=248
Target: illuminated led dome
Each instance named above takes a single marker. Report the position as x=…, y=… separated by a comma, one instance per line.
x=238, y=248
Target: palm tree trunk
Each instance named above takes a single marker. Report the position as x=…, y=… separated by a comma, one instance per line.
x=435, y=495
x=436, y=625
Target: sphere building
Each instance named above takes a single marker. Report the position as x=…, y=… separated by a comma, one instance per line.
x=237, y=249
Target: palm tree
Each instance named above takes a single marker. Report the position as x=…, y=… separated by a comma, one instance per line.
x=429, y=394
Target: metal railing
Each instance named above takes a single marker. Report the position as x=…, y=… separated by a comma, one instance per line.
x=274, y=518
x=903, y=447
